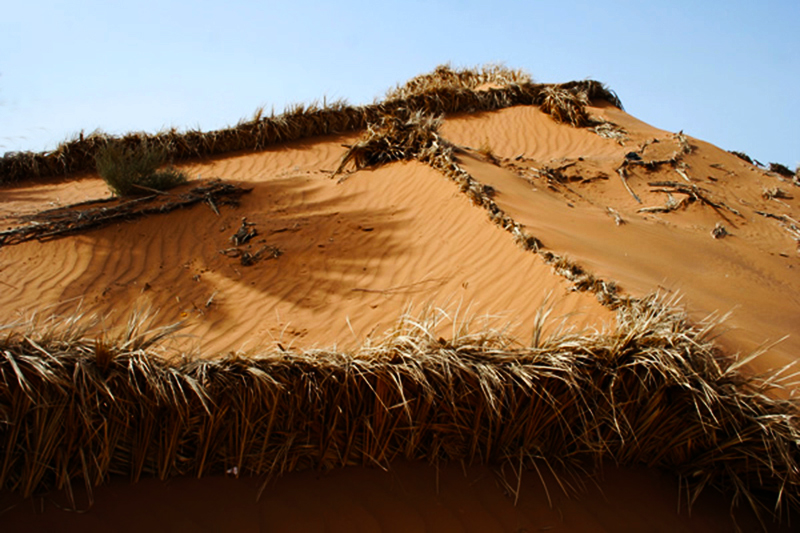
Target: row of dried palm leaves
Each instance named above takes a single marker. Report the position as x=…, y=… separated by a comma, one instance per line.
x=77, y=408
x=444, y=91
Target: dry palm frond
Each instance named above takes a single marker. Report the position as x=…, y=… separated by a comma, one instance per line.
x=788, y=223
x=71, y=219
x=592, y=91
x=444, y=76
x=565, y=106
x=654, y=392
x=395, y=138
x=743, y=156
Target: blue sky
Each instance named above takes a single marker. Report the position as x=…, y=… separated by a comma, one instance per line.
x=724, y=71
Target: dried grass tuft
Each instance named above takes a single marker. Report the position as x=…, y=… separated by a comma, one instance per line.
x=655, y=392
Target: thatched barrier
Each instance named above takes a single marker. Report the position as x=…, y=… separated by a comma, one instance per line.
x=444, y=95
x=654, y=393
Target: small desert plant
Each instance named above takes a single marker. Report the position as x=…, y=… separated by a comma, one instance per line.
x=743, y=156
x=485, y=149
x=137, y=170
x=783, y=170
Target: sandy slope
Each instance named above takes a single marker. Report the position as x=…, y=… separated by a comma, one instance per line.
x=355, y=256
x=754, y=272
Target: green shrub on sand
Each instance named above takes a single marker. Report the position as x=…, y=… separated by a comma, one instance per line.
x=137, y=170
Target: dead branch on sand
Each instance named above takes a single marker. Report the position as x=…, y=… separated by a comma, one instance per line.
x=623, y=174
x=55, y=223
x=693, y=193
x=788, y=223
x=637, y=159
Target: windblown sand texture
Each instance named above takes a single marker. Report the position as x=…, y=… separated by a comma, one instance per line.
x=522, y=201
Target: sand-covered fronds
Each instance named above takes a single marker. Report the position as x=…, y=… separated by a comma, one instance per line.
x=488, y=76
x=137, y=170
x=75, y=407
x=446, y=92
x=637, y=158
x=565, y=107
x=609, y=130
x=395, y=138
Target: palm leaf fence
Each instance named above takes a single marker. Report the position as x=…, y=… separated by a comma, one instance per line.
x=443, y=91
x=79, y=408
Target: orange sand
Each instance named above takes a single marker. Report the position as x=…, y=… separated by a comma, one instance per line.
x=356, y=255
x=754, y=273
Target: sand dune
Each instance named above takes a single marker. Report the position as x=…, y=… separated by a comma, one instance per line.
x=753, y=273
x=525, y=130
x=342, y=257
x=354, y=256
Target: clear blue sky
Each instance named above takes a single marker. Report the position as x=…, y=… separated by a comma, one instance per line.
x=724, y=71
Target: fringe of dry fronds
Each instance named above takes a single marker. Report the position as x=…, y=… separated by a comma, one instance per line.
x=78, y=409
x=566, y=107
x=781, y=170
x=299, y=122
x=78, y=155
x=487, y=76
